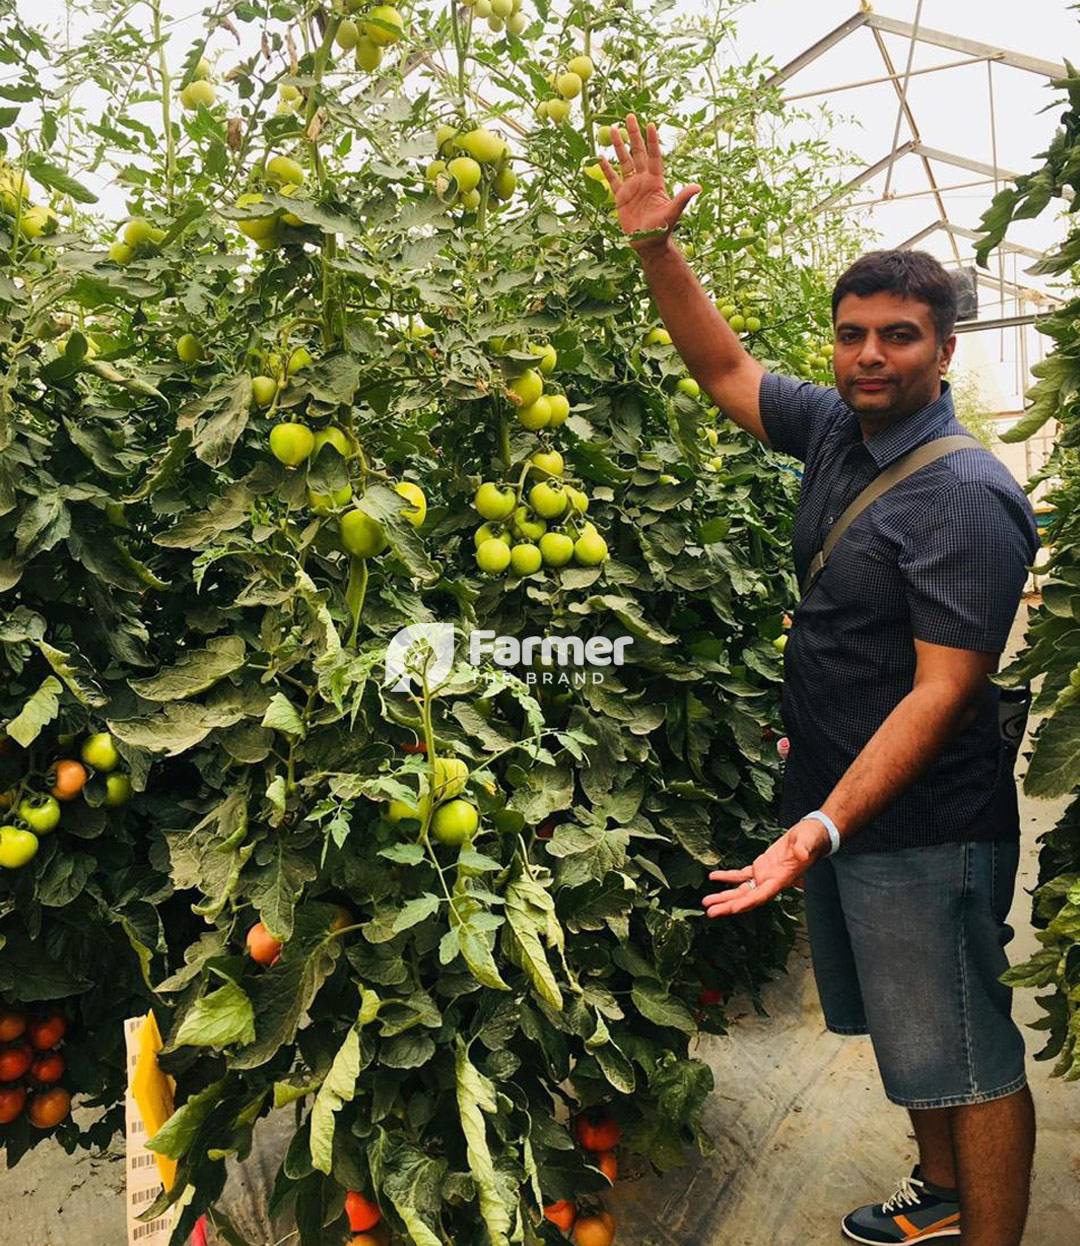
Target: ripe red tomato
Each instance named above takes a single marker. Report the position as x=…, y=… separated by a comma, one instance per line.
x=595, y=1130
x=12, y=1101
x=15, y=1062
x=46, y=1032
x=362, y=1212
x=48, y=1069
x=563, y=1213
x=12, y=1024
x=710, y=997
x=49, y=1108
x=419, y=747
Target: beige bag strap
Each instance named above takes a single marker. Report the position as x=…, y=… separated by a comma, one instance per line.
x=921, y=456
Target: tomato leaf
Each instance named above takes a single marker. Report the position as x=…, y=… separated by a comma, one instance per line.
x=221, y=1019
x=337, y=1089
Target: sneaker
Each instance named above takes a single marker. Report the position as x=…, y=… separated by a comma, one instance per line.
x=918, y=1212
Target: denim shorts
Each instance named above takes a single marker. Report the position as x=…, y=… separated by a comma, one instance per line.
x=908, y=947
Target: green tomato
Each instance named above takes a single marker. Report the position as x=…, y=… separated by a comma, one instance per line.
x=687, y=385
x=120, y=252
x=568, y=85
x=579, y=500
x=299, y=359
x=525, y=559
x=493, y=557
x=556, y=549
x=417, y=512
x=291, y=443
x=780, y=642
x=444, y=139
x=336, y=437
x=525, y=525
x=753, y=324
x=483, y=145
x=385, y=25
x=505, y=184
x=368, y=54
x=99, y=752
x=290, y=93
x=189, y=348
x=558, y=110
x=737, y=322
x=582, y=66
x=559, y=407
x=284, y=171
x=40, y=813
x=516, y=23
x=470, y=200
x=263, y=389
x=827, y=350
x=548, y=462
x=435, y=170
x=117, y=790
x=202, y=69
x=548, y=357
x=138, y=230
x=493, y=502
x=590, y=549
x=362, y=536
x=451, y=775
x=17, y=847
x=348, y=34
x=537, y=415
x=455, y=822
x=324, y=503
x=397, y=810
x=198, y=93
x=658, y=337
x=549, y=501
x=466, y=172
x=490, y=532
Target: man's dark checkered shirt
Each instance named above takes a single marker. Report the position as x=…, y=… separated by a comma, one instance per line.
x=941, y=557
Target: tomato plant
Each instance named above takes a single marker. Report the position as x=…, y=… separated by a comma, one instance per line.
x=1053, y=643
x=240, y=457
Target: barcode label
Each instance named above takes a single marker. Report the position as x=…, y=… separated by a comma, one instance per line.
x=144, y=1160
x=151, y=1227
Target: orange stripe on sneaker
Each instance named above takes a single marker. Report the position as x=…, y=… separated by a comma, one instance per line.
x=914, y=1232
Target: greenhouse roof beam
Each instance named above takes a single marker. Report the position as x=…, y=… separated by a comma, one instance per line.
x=965, y=162
x=819, y=49
x=956, y=43
x=1002, y=322
x=974, y=234
x=870, y=172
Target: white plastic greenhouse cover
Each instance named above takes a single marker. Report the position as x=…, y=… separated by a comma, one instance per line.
x=961, y=112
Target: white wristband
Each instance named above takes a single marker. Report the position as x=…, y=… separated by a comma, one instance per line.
x=830, y=826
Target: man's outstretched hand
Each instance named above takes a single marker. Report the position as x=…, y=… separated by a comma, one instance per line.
x=781, y=865
x=641, y=199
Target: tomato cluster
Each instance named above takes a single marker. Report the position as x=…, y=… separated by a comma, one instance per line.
x=34, y=807
x=31, y=1067
x=598, y=1133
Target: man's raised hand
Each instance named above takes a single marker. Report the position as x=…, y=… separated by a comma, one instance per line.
x=647, y=213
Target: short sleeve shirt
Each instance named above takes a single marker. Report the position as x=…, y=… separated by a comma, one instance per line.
x=941, y=557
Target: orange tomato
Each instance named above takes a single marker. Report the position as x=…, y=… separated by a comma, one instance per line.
x=262, y=946
x=608, y=1165
x=15, y=1062
x=594, y=1230
x=49, y=1108
x=595, y=1130
x=46, y=1032
x=12, y=1024
x=46, y=1069
x=379, y=1236
x=563, y=1213
x=68, y=779
x=362, y=1212
x=342, y=918
x=12, y=1101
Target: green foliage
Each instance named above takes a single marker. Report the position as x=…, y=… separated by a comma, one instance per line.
x=1053, y=637
x=167, y=579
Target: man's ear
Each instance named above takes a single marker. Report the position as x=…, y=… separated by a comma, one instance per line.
x=947, y=348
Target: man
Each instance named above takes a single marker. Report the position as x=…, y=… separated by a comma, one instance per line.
x=895, y=750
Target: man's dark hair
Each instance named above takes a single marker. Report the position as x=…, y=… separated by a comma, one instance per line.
x=909, y=274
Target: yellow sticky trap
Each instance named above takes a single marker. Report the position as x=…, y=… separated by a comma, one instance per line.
x=153, y=1091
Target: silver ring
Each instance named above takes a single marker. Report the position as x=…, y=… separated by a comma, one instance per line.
x=751, y=884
